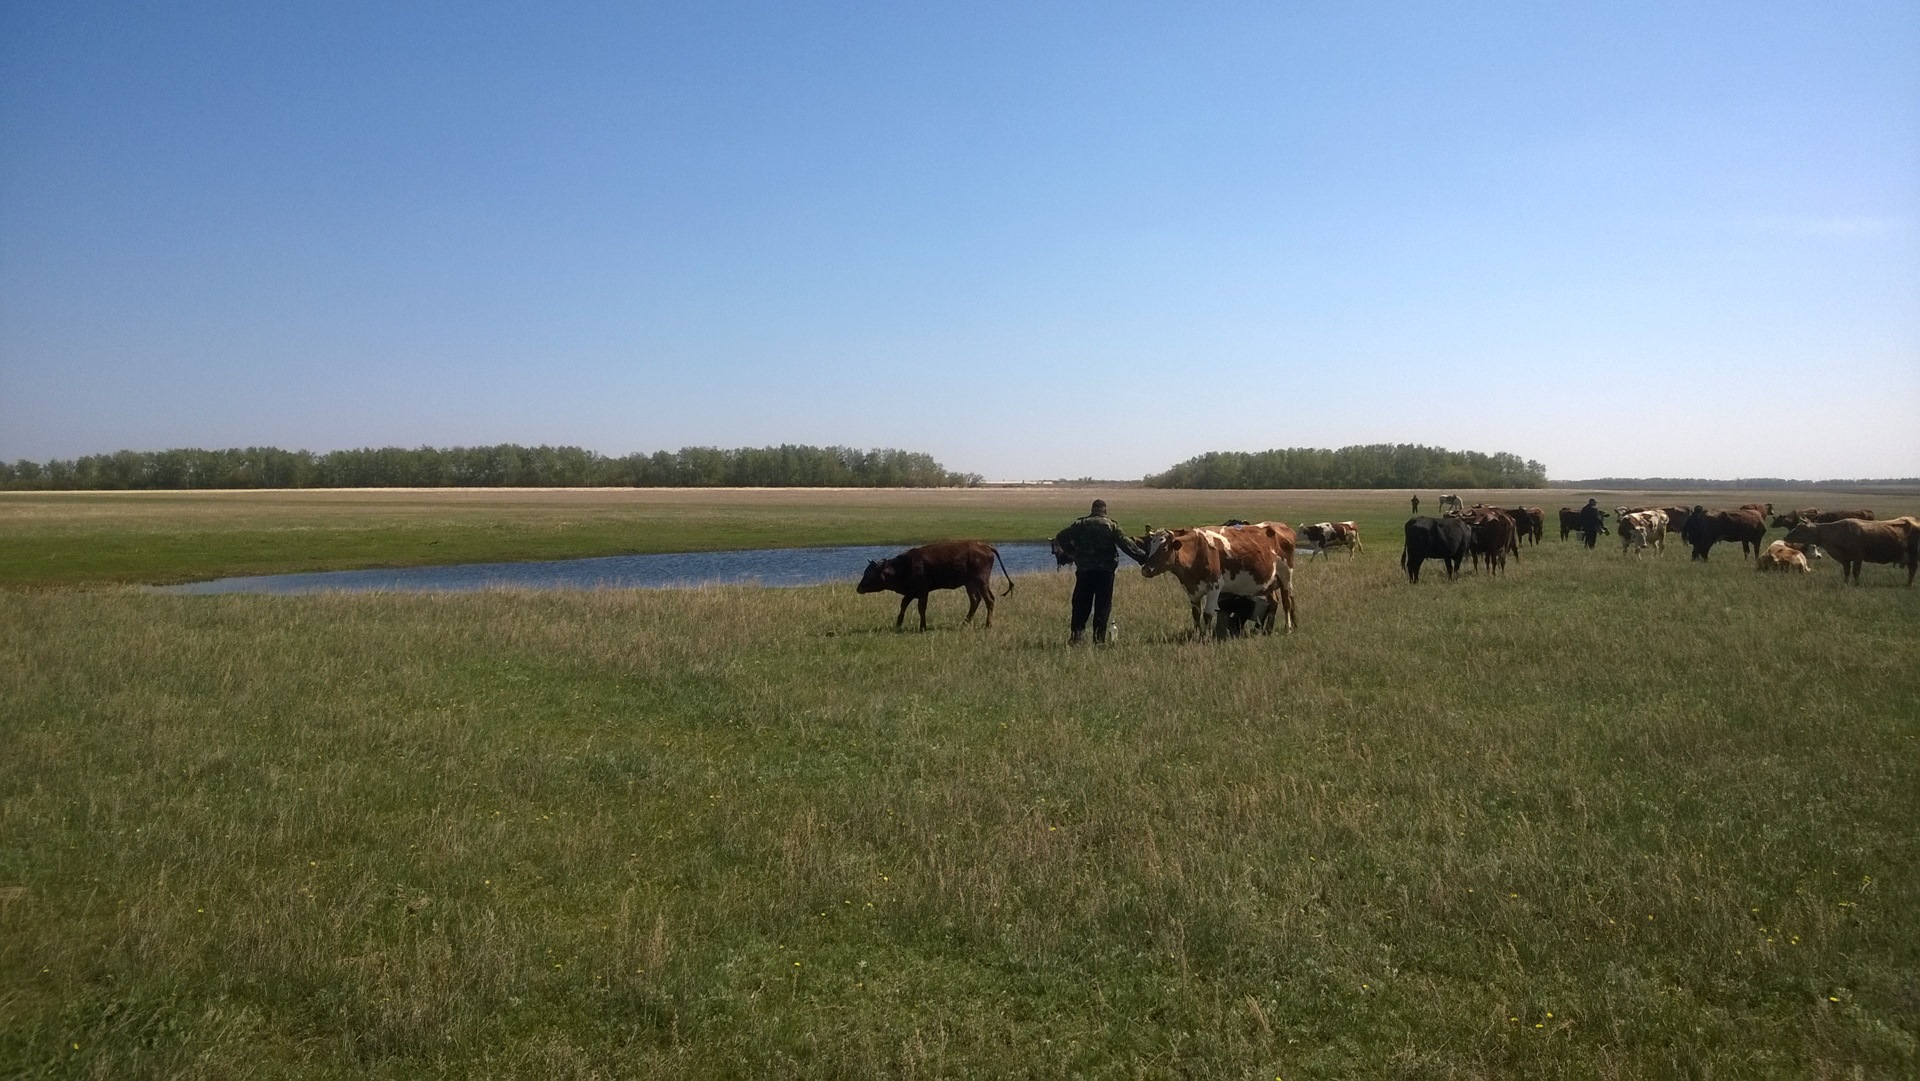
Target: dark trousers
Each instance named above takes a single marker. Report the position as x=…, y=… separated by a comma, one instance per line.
x=1092, y=595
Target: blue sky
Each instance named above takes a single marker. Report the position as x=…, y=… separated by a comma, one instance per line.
x=1034, y=240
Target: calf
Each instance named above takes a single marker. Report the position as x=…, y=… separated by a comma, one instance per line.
x=917, y=572
x=1782, y=556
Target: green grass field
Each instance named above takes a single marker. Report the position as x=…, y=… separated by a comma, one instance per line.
x=1601, y=817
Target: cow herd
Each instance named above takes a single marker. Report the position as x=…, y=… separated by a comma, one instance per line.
x=1239, y=576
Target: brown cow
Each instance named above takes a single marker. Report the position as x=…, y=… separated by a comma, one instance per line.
x=1853, y=541
x=917, y=572
x=1531, y=522
x=1814, y=514
x=1494, y=536
x=1250, y=560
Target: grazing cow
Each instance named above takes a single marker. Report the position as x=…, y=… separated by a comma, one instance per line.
x=917, y=572
x=1254, y=561
x=1451, y=503
x=1854, y=541
x=1325, y=535
x=1530, y=522
x=1641, y=529
x=1444, y=539
x=1494, y=536
x=1781, y=556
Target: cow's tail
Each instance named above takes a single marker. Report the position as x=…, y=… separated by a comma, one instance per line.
x=1003, y=570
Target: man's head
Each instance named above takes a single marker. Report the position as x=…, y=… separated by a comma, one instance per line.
x=1099, y=508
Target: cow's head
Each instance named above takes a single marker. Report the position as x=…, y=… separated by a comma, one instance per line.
x=1787, y=520
x=1162, y=548
x=1062, y=553
x=879, y=576
x=1802, y=534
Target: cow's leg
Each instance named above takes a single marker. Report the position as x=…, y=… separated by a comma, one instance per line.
x=1197, y=601
x=986, y=597
x=900, y=620
x=973, y=604
x=923, y=610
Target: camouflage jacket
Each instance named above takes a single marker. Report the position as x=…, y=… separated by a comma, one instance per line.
x=1096, y=544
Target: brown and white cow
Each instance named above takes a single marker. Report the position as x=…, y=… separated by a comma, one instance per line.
x=1782, y=556
x=1642, y=529
x=1325, y=535
x=1253, y=560
x=916, y=572
x=1854, y=541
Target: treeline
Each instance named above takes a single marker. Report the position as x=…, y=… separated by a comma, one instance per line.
x=504, y=466
x=1380, y=465
x=1683, y=484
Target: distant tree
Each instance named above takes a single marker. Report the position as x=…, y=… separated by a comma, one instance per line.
x=1373, y=466
x=504, y=464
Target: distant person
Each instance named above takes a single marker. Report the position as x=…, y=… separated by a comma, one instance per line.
x=1590, y=524
x=1094, y=544
x=1416, y=504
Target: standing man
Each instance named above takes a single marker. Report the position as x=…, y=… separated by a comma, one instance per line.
x=1590, y=525
x=1416, y=504
x=1094, y=543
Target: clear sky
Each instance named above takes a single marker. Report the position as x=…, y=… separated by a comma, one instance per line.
x=1031, y=239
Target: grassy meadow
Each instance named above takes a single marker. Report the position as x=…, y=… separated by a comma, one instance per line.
x=1601, y=817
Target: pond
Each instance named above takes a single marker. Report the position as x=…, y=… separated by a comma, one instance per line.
x=671, y=570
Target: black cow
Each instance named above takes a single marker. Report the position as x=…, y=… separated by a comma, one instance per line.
x=917, y=572
x=1445, y=539
x=1705, y=528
